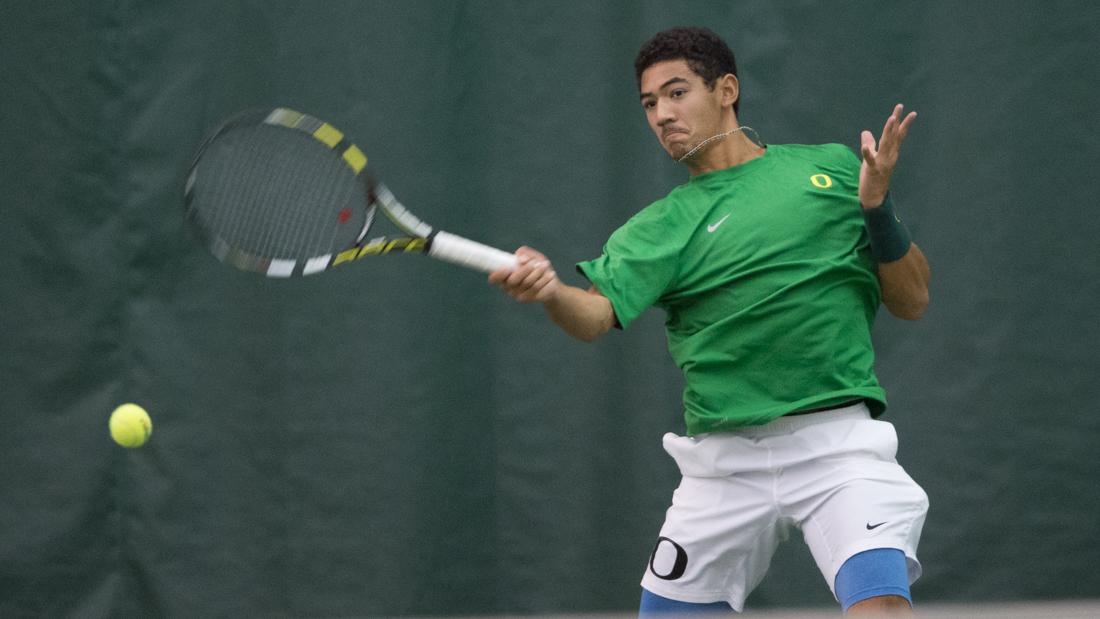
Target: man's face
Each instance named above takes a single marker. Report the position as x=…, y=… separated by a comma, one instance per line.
x=680, y=109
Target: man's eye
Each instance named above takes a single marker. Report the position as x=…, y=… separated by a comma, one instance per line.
x=648, y=104
x=679, y=92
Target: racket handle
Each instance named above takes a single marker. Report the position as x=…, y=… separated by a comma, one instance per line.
x=470, y=254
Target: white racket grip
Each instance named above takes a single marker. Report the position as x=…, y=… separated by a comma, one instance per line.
x=470, y=254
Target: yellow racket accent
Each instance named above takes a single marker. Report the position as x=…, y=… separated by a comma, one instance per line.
x=355, y=158
x=346, y=256
x=329, y=135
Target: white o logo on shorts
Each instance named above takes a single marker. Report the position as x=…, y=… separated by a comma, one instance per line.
x=669, y=560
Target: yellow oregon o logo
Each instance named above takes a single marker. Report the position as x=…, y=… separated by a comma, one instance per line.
x=821, y=180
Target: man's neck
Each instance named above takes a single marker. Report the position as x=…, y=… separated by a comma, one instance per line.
x=724, y=153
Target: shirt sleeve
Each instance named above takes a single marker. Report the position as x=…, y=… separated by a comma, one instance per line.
x=846, y=165
x=638, y=265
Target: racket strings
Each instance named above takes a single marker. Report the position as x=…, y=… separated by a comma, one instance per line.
x=276, y=193
x=227, y=196
x=220, y=190
x=293, y=233
x=267, y=235
x=248, y=196
x=324, y=225
x=295, y=230
x=324, y=235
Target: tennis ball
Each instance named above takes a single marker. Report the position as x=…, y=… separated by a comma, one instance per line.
x=130, y=425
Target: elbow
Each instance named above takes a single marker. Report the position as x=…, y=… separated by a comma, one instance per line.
x=599, y=323
x=911, y=308
x=589, y=336
x=913, y=313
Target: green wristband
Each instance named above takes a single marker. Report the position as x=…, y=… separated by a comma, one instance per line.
x=890, y=239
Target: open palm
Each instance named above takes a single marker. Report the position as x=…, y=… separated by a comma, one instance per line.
x=879, y=160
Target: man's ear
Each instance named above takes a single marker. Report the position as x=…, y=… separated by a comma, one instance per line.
x=729, y=89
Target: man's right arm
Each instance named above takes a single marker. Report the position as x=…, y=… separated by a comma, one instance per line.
x=583, y=314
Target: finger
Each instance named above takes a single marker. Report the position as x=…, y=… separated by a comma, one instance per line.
x=888, y=142
x=539, y=269
x=903, y=128
x=544, y=290
x=518, y=274
x=544, y=285
x=868, y=147
x=867, y=140
x=868, y=157
x=527, y=293
x=888, y=128
x=527, y=253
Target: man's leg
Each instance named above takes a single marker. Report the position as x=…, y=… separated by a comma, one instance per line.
x=875, y=583
x=882, y=606
x=860, y=512
x=653, y=604
x=721, y=530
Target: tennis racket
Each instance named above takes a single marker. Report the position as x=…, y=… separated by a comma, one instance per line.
x=284, y=194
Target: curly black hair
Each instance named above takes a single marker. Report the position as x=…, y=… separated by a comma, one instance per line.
x=705, y=52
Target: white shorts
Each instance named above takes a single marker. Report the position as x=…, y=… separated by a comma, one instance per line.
x=831, y=474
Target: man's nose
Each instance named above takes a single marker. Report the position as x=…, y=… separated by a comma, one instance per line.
x=664, y=114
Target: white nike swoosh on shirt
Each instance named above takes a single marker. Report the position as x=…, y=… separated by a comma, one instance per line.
x=714, y=226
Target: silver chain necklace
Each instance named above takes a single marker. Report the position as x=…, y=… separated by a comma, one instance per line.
x=718, y=137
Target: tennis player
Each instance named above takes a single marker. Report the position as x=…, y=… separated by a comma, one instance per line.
x=770, y=262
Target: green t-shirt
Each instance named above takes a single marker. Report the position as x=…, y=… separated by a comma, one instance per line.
x=765, y=273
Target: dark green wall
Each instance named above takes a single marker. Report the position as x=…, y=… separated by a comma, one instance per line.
x=397, y=437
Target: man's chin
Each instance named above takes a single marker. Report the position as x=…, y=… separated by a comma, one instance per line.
x=676, y=150
x=677, y=145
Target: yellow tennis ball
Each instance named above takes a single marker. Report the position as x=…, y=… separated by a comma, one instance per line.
x=130, y=425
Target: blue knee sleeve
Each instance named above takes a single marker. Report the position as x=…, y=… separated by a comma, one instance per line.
x=653, y=604
x=882, y=571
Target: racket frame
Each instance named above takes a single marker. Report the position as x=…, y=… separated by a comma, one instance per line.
x=421, y=238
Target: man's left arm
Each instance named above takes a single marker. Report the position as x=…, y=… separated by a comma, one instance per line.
x=903, y=271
